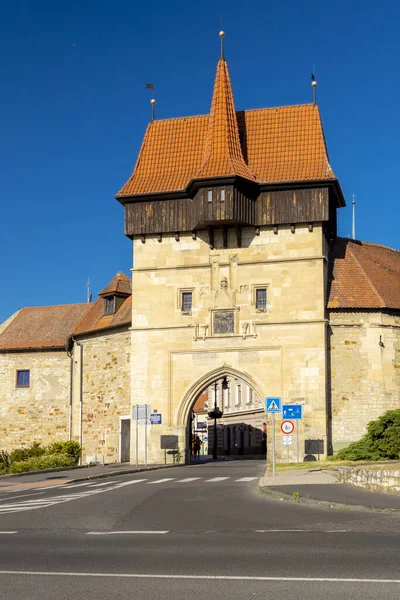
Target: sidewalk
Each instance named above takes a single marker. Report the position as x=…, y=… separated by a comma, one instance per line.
x=56, y=477
x=315, y=486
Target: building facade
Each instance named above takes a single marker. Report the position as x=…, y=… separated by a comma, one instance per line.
x=238, y=273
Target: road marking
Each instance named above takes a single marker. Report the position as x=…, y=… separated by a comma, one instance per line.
x=187, y=480
x=76, y=485
x=215, y=479
x=21, y=496
x=127, y=532
x=247, y=479
x=284, y=531
x=106, y=483
x=8, y=532
x=200, y=577
x=161, y=480
x=119, y=485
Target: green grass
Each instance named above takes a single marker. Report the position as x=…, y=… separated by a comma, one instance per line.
x=331, y=464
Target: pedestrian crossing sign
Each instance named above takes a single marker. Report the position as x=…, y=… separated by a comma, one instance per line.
x=272, y=405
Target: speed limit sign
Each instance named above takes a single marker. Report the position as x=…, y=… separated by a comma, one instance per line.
x=287, y=427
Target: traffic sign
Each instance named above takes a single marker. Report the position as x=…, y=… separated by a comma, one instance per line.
x=287, y=440
x=287, y=427
x=141, y=412
x=292, y=411
x=273, y=405
x=156, y=419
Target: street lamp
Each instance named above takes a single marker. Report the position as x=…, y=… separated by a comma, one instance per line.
x=216, y=413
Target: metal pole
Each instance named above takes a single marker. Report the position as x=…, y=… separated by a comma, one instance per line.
x=287, y=454
x=145, y=439
x=297, y=442
x=137, y=434
x=215, y=424
x=273, y=444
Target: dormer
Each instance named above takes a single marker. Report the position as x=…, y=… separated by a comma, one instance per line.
x=115, y=293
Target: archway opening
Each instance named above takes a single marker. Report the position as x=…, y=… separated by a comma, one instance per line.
x=226, y=421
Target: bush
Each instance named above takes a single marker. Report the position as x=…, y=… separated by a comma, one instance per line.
x=381, y=442
x=25, y=453
x=5, y=460
x=70, y=448
x=39, y=463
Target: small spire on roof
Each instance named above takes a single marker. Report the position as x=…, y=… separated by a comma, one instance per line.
x=222, y=35
x=314, y=87
x=153, y=103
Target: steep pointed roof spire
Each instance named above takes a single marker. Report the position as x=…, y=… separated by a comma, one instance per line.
x=222, y=154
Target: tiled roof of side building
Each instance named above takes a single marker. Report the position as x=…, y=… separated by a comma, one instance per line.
x=365, y=276
x=42, y=327
x=96, y=320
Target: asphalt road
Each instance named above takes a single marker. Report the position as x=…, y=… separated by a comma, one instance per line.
x=203, y=530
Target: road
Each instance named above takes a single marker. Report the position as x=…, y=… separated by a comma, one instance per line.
x=201, y=531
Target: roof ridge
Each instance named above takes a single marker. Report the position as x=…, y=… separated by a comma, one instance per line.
x=368, y=279
x=54, y=305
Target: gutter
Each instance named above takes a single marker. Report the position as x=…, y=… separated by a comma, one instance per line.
x=74, y=341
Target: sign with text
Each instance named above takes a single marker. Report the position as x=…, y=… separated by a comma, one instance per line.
x=287, y=427
x=287, y=440
x=141, y=412
x=156, y=419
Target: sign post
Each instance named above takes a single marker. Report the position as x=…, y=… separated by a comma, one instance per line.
x=273, y=406
x=294, y=412
x=141, y=412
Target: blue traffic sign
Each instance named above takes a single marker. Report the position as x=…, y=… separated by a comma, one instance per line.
x=273, y=405
x=155, y=419
x=292, y=411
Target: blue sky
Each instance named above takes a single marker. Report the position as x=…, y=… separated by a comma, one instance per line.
x=74, y=108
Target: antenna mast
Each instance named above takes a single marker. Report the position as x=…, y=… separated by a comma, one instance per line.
x=88, y=294
x=353, y=227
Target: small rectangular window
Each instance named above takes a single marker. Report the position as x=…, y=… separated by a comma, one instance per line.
x=23, y=378
x=209, y=196
x=261, y=298
x=110, y=306
x=222, y=195
x=186, y=306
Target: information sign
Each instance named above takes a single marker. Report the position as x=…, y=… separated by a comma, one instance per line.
x=294, y=412
x=273, y=405
x=156, y=419
x=287, y=440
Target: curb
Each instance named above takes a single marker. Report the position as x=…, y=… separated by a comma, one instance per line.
x=58, y=470
x=306, y=501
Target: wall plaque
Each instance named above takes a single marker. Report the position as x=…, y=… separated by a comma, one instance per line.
x=224, y=322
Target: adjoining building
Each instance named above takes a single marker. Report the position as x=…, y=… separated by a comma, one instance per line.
x=239, y=276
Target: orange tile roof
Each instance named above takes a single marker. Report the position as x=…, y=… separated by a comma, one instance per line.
x=222, y=154
x=278, y=145
x=119, y=285
x=96, y=320
x=365, y=276
x=42, y=327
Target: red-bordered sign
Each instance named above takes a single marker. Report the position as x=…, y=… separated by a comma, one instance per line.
x=287, y=427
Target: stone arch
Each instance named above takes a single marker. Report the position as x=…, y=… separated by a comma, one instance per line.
x=205, y=381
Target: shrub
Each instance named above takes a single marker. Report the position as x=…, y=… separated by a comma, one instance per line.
x=70, y=448
x=381, y=442
x=25, y=453
x=5, y=460
x=38, y=463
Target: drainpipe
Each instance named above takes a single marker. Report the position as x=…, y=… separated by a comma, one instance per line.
x=80, y=393
x=71, y=380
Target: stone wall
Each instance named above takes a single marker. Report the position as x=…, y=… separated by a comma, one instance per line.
x=364, y=371
x=39, y=412
x=377, y=480
x=105, y=393
x=280, y=351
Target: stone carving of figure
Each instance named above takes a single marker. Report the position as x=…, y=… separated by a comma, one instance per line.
x=224, y=283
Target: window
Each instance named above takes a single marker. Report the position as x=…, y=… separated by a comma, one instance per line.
x=209, y=196
x=186, y=305
x=110, y=306
x=261, y=298
x=23, y=379
x=238, y=394
x=222, y=195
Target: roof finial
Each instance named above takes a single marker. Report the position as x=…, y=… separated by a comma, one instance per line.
x=314, y=87
x=153, y=103
x=222, y=35
x=353, y=224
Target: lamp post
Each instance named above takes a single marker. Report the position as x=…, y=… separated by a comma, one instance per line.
x=216, y=413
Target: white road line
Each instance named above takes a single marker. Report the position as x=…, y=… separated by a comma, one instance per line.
x=187, y=480
x=106, y=483
x=127, y=532
x=8, y=532
x=161, y=480
x=200, y=577
x=76, y=485
x=21, y=496
x=283, y=530
x=119, y=485
x=247, y=479
x=215, y=479
x=53, y=487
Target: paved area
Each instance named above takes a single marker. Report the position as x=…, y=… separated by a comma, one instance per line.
x=322, y=486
